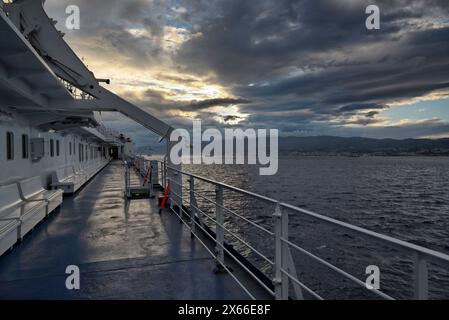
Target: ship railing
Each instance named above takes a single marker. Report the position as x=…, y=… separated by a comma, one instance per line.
x=284, y=269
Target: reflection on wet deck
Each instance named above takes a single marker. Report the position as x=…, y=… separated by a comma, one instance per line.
x=125, y=250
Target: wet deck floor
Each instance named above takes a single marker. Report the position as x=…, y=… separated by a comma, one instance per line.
x=125, y=250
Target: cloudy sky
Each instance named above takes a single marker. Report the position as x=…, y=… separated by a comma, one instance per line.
x=305, y=67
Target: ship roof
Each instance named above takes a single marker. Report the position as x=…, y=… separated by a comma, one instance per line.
x=26, y=79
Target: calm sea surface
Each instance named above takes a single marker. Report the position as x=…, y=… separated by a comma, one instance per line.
x=403, y=197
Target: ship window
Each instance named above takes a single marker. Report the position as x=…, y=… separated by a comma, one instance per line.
x=57, y=148
x=74, y=148
x=81, y=152
x=10, y=146
x=70, y=148
x=52, y=148
x=25, y=146
x=87, y=153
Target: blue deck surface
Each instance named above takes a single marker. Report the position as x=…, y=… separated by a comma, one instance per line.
x=125, y=250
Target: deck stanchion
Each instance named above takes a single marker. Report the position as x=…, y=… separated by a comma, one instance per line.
x=421, y=278
x=277, y=281
x=284, y=253
x=288, y=264
x=126, y=176
x=127, y=179
x=219, y=230
x=150, y=180
x=192, y=206
x=164, y=170
x=170, y=198
x=162, y=181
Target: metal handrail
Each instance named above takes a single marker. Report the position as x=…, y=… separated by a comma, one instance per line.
x=236, y=214
x=420, y=254
x=334, y=268
x=302, y=285
x=224, y=208
x=255, y=277
x=226, y=186
x=234, y=235
x=213, y=255
x=432, y=255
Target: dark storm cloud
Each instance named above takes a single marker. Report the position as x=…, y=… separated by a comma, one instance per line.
x=305, y=65
x=136, y=49
x=255, y=40
x=231, y=118
x=205, y=104
x=422, y=67
x=290, y=55
x=371, y=114
x=163, y=108
x=107, y=24
x=363, y=106
x=258, y=40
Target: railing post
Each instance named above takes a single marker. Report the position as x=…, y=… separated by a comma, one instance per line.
x=149, y=177
x=284, y=253
x=162, y=175
x=219, y=230
x=170, y=196
x=127, y=179
x=179, y=199
x=421, y=278
x=192, y=206
x=165, y=173
x=277, y=281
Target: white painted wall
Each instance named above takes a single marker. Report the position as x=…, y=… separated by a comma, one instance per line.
x=19, y=168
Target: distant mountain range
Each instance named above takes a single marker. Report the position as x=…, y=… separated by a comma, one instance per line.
x=339, y=145
x=328, y=145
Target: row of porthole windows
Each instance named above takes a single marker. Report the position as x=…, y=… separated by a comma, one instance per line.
x=26, y=142
x=55, y=148
x=10, y=146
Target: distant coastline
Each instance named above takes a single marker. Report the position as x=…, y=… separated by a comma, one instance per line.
x=360, y=155
x=349, y=147
x=357, y=146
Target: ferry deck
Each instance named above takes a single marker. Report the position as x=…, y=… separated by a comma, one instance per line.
x=124, y=249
